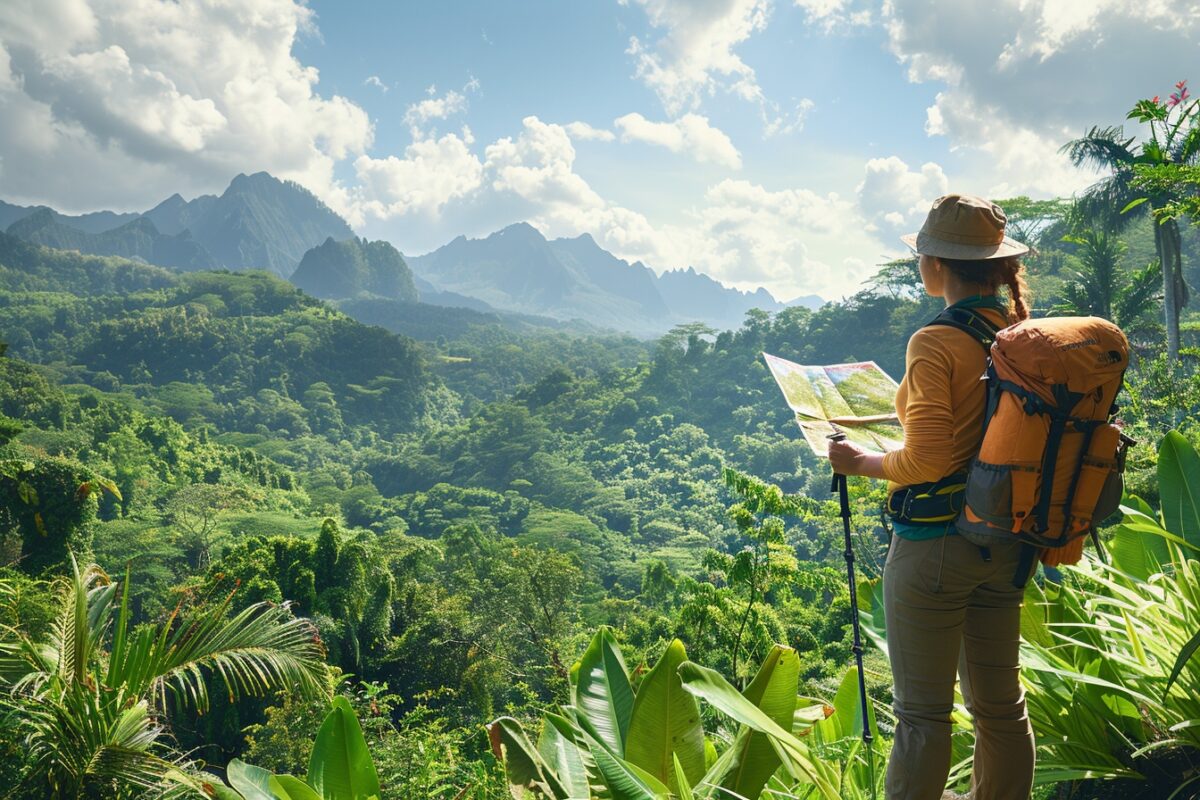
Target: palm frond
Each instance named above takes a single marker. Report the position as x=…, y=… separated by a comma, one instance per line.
x=87, y=737
x=1074, y=299
x=1101, y=148
x=90, y=730
x=83, y=618
x=123, y=766
x=25, y=665
x=1187, y=149
x=1104, y=200
x=1139, y=295
x=259, y=649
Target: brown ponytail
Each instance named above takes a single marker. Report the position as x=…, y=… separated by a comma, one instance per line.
x=994, y=273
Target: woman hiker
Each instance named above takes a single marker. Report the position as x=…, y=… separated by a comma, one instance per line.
x=951, y=606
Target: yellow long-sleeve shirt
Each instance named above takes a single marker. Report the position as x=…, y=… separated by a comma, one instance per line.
x=940, y=403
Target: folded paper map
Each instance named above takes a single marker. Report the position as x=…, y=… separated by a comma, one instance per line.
x=855, y=399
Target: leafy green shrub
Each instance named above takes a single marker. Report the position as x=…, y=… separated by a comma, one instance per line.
x=649, y=742
x=1114, y=691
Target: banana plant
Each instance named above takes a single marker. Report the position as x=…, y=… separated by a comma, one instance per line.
x=340, y=767
x=650, y=744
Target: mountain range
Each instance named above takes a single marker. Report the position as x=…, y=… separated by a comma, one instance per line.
x=259, y=222
x=517, y=269
x=262, y=222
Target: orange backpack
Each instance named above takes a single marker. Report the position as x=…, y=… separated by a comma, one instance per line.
x=1050, y=466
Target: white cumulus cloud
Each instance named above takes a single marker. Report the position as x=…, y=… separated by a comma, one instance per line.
x=432, y=173
x=792, y=240
x=691, y=135
x=895, y=199
x=583, y=132
x=1024, y=76
x=834, y=14
x=695, y=54
x=122, y=102
x=435, y=107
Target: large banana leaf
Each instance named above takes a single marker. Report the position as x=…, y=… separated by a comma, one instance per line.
x=602, y=691
x=340, y=767
x=846, y=720
x=751, y=759
x=710, y=686
x=1138, y=550
x=296, y=789
x=622, y=780
x=665, y=723
x=870, y=612
x=1179, y=486
x=683, y=789
x=559, y=747
x=1034, y=628
x=523, y=764
x=256, y=783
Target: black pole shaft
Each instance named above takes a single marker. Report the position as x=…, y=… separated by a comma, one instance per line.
x=839, y=486
x=843, y=491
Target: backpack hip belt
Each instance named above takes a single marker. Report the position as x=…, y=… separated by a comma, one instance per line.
x=928, y=503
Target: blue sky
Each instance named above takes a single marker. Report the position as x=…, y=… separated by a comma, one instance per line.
x=577, y=51
x=777, y=143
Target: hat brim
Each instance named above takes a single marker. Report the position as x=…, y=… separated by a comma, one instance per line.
x=928, y=245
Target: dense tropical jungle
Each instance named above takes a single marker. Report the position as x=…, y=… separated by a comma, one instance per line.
x=260, y=544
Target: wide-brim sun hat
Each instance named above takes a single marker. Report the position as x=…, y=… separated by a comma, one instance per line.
x=964, y=227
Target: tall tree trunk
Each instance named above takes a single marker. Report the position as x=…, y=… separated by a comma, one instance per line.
x=1166, y=242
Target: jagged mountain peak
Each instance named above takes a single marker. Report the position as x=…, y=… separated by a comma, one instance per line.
x=259, y=221
x=521, y=231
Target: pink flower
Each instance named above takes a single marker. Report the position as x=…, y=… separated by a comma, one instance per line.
x=1181, y=84
x=1155, y=100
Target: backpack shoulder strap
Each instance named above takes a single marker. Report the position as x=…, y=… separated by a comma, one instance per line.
x=977, y=326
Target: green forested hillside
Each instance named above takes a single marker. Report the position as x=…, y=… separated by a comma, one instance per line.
x=355, y=267
x=138, y=239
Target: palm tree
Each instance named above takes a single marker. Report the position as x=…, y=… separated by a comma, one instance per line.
x=94, y=719
x=1102, y=288
x=1174, y=139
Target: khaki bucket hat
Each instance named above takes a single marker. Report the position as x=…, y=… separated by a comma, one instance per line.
x=962, y=226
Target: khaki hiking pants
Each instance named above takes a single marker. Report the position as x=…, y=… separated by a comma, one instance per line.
x=948, y=611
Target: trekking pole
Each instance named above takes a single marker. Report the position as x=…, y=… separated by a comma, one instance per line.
x=840, y=486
